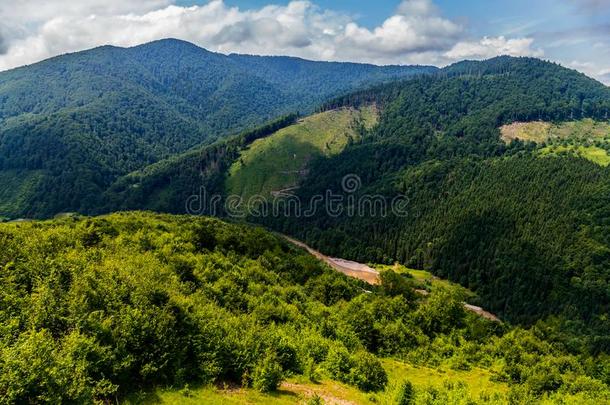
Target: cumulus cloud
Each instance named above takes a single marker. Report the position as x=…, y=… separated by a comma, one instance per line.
x=417, y=8
x=489, y=47
x=592, y=69
x=416, y=33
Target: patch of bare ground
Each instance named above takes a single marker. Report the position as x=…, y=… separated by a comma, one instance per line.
x=308, y=392
x=526, y=131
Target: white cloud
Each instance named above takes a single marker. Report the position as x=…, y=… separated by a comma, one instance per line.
x=417, y=8
x=490, y=46
x=416, y=33
x=592, y=69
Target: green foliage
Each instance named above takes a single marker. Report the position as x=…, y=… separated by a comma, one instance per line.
x=394, y=284
x=526, y=233
x=367, y=373
x=406, y=395
x=267, y=374
x=95, y=309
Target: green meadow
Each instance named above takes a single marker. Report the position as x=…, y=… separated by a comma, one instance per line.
x=541, y=131
x=277, y=163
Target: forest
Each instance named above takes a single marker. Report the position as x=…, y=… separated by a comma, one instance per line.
x=115, y=307
x=536, y=223
x=527, y=232
x=75, y=123
x=99, y=309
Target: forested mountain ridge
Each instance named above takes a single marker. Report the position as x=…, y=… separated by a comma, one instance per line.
x=72, y=124
x=529, y=218
x=456, y=112
x=522, y=225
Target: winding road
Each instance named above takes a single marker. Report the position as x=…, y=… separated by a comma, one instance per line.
x=371, y=276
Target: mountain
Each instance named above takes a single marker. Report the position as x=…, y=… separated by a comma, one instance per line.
x=524, y=225
x=70, y=125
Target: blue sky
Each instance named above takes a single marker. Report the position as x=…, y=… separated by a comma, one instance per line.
x=575, y=33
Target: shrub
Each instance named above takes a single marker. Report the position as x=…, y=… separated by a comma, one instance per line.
x=315, y=400
x=367, y=373
x=406, y=395
x=393, y=284
x=311, y=371
x=267, y=375
x=338, y=363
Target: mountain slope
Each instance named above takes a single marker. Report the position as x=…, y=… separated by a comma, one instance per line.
x=81, y=120
x=96, y=309
x=277, y=163
x=523, y=229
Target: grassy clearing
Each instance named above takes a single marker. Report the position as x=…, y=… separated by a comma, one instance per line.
x=540, y=131
x=593, y=153
x=279, y=161
x=476, y=384
x=426, y=280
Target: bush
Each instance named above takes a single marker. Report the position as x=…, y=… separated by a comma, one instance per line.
x=267, y=375
x=338, y=363
x=315, y=400
x=393, y=284
x=406, y=395
x=367, y=373
x=312, y=372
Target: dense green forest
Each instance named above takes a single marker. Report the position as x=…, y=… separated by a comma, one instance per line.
x=527, y=232
x=97, y=309
x=524, y=228
x=75, y=123
x=167, y=185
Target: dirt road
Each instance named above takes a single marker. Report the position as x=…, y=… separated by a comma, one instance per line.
x=347, y=267
x=371, y=276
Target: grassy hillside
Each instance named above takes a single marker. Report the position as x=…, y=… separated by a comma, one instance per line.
x=586, y=138
x=279, y=162
x=144, y=308
x=168, y=185
x=474, y=385
x=592, y=153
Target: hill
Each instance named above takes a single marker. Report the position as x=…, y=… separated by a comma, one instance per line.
x=71, y=125
x=262, y=162
x=138, y=307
